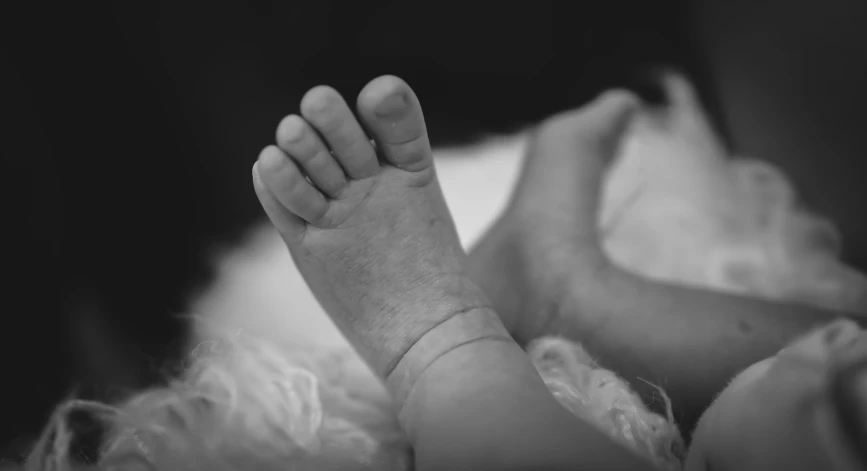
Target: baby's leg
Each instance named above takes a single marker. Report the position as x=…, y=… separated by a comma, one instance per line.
x=543, y=268
x=375, y=242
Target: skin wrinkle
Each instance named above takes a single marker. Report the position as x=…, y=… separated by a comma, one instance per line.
x=411, y=343
x=432, y=361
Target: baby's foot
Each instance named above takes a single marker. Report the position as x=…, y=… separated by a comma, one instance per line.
x=548, y=235
x=369, y=229
x=803, y=409
x=375, y=242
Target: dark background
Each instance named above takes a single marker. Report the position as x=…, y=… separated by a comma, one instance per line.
x=135, y=124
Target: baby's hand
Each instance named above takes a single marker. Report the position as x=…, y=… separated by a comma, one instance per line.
x=804, y=409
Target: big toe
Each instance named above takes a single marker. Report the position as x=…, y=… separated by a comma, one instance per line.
x=568, y=155
x=392, y=113
x=591, y=134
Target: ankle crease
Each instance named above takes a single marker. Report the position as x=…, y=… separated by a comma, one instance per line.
x=462, y=328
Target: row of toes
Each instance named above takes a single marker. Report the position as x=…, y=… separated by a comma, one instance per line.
x=321, y=151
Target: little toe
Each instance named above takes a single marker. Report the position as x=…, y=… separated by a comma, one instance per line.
x=329, y=114
x=286, y=182
x=392, y=112
x=300, y=141
x=288, y=224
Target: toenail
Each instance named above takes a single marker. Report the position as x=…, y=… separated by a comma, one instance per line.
x=292, y=128
x=392, y=106
x=318, y=100
x=271, y=158
x=320, y=106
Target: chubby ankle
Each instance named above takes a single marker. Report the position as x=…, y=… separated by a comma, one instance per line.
x=528, y=271
x=446, y=342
